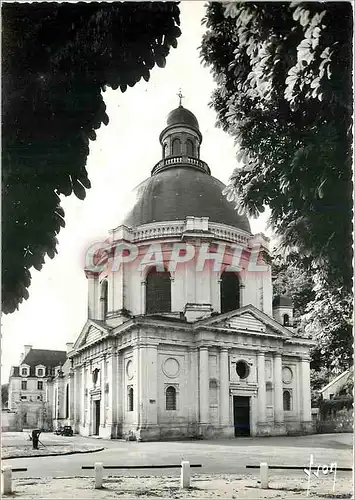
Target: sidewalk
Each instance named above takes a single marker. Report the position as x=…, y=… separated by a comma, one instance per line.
x=25, y=451
x=202, y=487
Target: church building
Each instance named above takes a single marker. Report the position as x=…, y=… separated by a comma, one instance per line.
x=183, y=337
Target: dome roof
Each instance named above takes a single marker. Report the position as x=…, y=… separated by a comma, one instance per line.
x=183, y=116
x=282, y=300
x=178, y=192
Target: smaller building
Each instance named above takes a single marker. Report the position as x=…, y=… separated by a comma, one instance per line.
x=335, y=385
x=28, y=386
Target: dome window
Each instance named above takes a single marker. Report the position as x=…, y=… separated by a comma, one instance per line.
x=190, y=148
x=158, y=292
x=286, y=320
x=230, y=294
x=176, y=147
x=165, y=150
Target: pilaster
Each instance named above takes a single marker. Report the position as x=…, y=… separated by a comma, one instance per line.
x=261, y=388
x=224, y=387
x=204, y=386
x=278, y=411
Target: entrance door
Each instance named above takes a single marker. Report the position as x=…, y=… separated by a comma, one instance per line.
x=241, y=410
x=97, y=418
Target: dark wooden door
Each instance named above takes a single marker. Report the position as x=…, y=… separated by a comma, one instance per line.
x=97, y=418
x=241, y=410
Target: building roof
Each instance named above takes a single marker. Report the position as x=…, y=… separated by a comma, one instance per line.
x=335, y=380
x=282, y=300
x=182, y=116
x=179, y=192
x=44, y=357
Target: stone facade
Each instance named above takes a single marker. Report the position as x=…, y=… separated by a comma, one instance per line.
x=181, y=338
x=28, y=387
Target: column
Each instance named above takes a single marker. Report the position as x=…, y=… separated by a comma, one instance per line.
x=77, y=395
x=261, y=388
x=278, y=391
x=305, y=391
x=143, y=292
x=136, y=395
x=92, y=294
x=102, y=384
x=83, y=387
x=71, y=396
x=193, y=392
x=224, y=386
x=204, y=386
x=148, y=385
x=113, y=383
x=190, y=282
x=120, y=388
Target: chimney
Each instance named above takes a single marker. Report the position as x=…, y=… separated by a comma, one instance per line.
x=69, y=346
x=27, y=349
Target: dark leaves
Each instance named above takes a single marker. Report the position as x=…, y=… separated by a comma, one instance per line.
x=56, y=60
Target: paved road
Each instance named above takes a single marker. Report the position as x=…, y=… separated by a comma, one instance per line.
x=216, y=457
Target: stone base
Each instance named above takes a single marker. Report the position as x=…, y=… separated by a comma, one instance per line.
x=105, y=432
x=84, y=430
x=270, y=429
x=208, y=431
x=194, y=312
x=307, y=427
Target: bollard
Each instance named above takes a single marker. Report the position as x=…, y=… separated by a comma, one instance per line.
x=185, y=474
x=99, y=473
x=264, y=475
x=6, y=480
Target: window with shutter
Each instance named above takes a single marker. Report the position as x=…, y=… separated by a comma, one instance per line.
x=170, y=398
x=287, y=400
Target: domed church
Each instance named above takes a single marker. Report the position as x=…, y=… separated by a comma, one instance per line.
x=183, y=337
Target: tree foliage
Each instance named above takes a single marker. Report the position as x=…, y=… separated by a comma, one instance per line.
x=283, y=74
x=296, y=283
x=57, y=58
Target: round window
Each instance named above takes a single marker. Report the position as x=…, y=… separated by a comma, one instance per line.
x=242, y=369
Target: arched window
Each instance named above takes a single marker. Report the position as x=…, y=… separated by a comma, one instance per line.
x=213, y=392
x=230, y=294
x=67, y=401
x=165, y=151
x=176, y=147
x=170, y=398
x=130, y=399
x=189, y=148
x=287, y=400
x=104, y=298
x=158, y=292
x=286, y=320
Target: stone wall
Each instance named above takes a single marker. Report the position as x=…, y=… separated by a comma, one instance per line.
x=10, y=421
x=343, y=421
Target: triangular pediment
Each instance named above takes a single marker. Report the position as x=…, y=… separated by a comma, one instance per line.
x=92, y=332
x=246, y=319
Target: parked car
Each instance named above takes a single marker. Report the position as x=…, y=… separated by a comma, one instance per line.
x=67, y=431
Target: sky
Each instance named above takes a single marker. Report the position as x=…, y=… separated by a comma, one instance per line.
x=122, y=156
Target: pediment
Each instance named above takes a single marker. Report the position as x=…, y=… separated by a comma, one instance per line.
x=91, y=333
x=246, y=319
